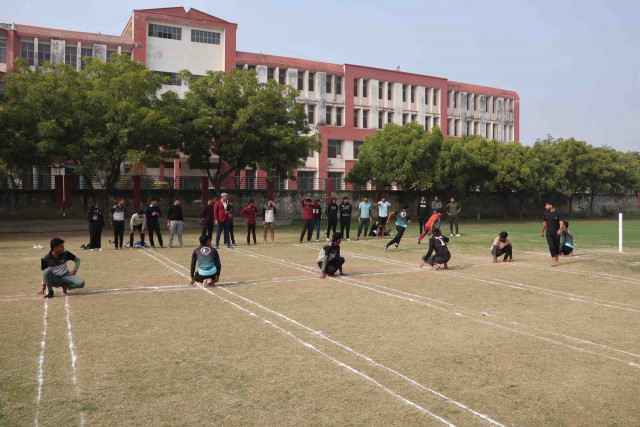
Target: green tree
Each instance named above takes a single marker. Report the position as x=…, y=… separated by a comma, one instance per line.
x=399, y=155
x=517, y=169
x=243, y=123
x=481, y=171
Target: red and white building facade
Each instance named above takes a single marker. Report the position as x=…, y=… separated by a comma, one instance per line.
x=344, y=102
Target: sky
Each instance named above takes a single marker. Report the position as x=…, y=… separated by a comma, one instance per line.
x=574, y=64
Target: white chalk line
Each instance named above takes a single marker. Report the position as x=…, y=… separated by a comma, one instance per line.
x=150, y=289
x=310, y=346
x=632, y=364
x=41, y=362
x=74, y=357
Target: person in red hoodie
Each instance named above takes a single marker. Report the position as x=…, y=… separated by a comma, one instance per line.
x=307, y=217
x=433, y=220
x=249, y=214
x=207, y=215
x=221, y=219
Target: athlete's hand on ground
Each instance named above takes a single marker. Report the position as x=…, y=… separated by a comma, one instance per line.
x=41, y=291
x=495, y=260
x=193, y=281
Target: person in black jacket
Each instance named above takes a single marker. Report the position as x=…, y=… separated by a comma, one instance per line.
x=175, y=222
x=95, y=218
x=423, y=212
x=345, y=209
x=437, y=244
x=153, y=212
x=331, y=212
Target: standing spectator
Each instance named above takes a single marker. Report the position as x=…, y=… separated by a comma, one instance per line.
x=153, y=212
x=431, y=223
x=364, y=217
x=231, y=215
x=138, y=222
x=423, y=212
x=207, y=216
x=55, y=272
x=221, y=219
x=383, y=209
x=345, y=209
x=208, y=262
x=175, y=222
x=329, y=259
x=453, y=209
x=502, y=246
x=269, y=218
x=332, y=216
x=249, y=214
x=96, y=224
x=552, y=222
x=116, y=217
x=403, y=218
x=307, y=218
x=317, y=218
x=566, y=240
x=436, y=205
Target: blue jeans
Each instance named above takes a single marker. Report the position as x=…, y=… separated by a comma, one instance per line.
x=222, y=225
x=316, y=226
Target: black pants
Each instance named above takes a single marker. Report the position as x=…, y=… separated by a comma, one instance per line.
x=333, y=265
x=566, y=250
x=251, y=229
x=421, y=222
x=438, y=259
x=345, y=224
x=118, y=233
x=398, y=237
x=231, y=236
x=133, y=232
x=95, y=237
x=364, y=222
x=554, y=244
x=332, y=222
x=308, y=227
x=453, y=219
x=154, y=227
x=507, y=251
x=201, y=279
x=207, y=229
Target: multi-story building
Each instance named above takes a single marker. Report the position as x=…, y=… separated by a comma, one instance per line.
x=344, y=102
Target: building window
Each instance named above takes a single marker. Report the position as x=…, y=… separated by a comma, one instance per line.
x=166, y=32
x=389, y=90
x=311, y=113
x=3, y=51
x=365, y=119
x=404, y=93
x=355, y=117
x=239, y=67
x=365, y=83
x=435, y=122
x=380, y=124
x=312, y=153
x=355, y=87
x=328, y=117
x=312, y=82
x=328, y=88
x=111, y=55
x=300, y=80
x=279, y=181
x=338, y=85
x=305, y=180
x=486, y=104
x=435, y=97
x=413, y=94
x=282, y=76
x=71, y=55
x=175, y=81
x=389, y=117
x=469, y=102
x=336, y=180
x=3, y=86
x=251, y=67
x=405, y=118
x=469, y=128
x=456, y=125
x=27, y=52
x=334, y=148
x=270, y=72
x=127, y=54
x=44, y=54
x=338, y=116
x=199, y=36
x=414, y=117
x=494, y=106
x=85, y=52
x=379, y=91
x=356, y=148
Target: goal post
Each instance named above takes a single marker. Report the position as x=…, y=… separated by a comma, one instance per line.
x=620, y=232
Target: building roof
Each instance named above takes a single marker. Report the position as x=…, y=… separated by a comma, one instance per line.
x=482, y=90
x=182, y=13
x=284, y=61
x=76, y=36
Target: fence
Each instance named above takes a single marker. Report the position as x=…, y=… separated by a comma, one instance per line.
x=79, y=182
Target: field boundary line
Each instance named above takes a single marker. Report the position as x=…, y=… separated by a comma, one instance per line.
x=74, y=357
x=41, y=362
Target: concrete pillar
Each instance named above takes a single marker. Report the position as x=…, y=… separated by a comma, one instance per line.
x=57, y=51
x=79, y=56
x=100, y=52
x=35, y=51
x=397, y=103
x=261, y=71
x=500, y=119
x=321, y=97
x=375, y=108
x=463, y=113
x=119, y=50
x=305, y=84
x=420, y=99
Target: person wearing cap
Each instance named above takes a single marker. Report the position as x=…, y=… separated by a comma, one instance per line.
x=502, y=246
x=221, y=219
x=329, y=259
x=208, y=262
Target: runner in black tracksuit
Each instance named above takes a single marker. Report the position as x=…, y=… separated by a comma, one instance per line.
x=437, y=243
x=345, y=209
x=424, y=212
x=331, y=212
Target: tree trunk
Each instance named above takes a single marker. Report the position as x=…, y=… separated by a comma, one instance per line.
x=591, y=203
x=570, y=205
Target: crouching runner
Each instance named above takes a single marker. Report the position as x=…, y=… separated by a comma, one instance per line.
x=437, y=243
x=329, y=259
x=208, y=262
x=55, y=272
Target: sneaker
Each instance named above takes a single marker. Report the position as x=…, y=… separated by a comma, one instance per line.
x=229, y=247
x=327, y=239
x=317, y=240
x=100, y=249
x=91, y=249
x=206, y=282
x=457, y=235
x=83, y=247
x=233, y=244
x=384, y=248
x=396, y=245
x=349, y=240
x=153, y=247
x=451, y=234
x=49, y=295
x=161, y=247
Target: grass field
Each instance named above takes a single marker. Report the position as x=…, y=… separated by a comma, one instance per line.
x=388, y=344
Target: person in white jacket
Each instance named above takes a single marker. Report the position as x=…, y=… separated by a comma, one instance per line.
x=138, y=222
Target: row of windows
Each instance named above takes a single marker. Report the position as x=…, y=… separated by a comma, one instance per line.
x=311, y=115
x=27, y=52
x=385, y=117
x=333, y=82
x=408, y=92
x=473, y=102
x=175, y=33
x=209, y=37
x=175, y=81
x=490, y=130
